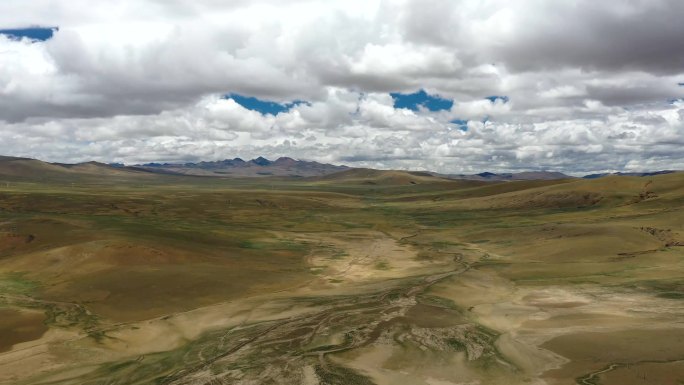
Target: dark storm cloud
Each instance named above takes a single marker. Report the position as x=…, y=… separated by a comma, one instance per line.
x=630, y=94
x=597, y=36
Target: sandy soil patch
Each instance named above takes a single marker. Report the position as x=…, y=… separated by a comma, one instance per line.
x=363, y=257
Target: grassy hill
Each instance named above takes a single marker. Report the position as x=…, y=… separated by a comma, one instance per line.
x=24, y=169
x=379, y=177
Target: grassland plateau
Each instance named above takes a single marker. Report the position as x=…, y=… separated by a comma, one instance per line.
x=122, y=276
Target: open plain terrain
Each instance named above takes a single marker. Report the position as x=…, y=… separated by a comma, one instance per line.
x=116, y=276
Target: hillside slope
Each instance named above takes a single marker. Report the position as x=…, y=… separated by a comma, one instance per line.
x=380, y=177
x=35, y=170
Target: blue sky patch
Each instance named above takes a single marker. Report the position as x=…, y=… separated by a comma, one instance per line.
x=33, y=33
x=493, y=98
x=462, y=124
x=421, y=98
x=263, y=106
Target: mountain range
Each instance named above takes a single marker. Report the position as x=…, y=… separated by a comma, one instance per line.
x=258, y=167
x=594, y=176
x=525, y=175
x=15, y=167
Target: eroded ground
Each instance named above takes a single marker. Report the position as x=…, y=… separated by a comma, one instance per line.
x=232, y=282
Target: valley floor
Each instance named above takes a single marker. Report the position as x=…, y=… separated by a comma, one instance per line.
x=179, y=280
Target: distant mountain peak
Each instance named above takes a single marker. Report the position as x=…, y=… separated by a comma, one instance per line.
x=261, y=161
x=285, y=161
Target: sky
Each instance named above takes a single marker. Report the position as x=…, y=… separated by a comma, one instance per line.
x=578, y=86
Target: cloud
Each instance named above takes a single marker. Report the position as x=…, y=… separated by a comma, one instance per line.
x=633, y=36
x=580, y=86
x=362, y=130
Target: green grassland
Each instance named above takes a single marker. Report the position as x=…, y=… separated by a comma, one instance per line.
x=363, y=277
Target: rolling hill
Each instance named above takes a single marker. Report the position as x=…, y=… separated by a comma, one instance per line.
x=12, y=168
x=368, y=176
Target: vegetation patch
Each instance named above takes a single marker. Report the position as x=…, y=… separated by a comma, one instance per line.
x=17, y=283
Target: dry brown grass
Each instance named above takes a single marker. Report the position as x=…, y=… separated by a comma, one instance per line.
x=557, y=279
